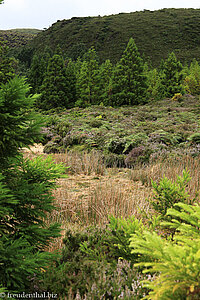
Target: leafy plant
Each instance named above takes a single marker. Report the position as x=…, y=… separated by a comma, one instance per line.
x=167, y=193
x=176, y=264
x=121, y=230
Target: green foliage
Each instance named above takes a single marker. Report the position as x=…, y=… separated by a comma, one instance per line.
x=171, y=76
x=26, y=192
x=167, y=193
x=7, y=64
x=194, y=138
x=154, y=84
x=56, y=89
x=19, y=126
x=31, y=182
x=175, y=263
x=105, y=84
x=87, y=80
x=36, y=73
x=128, y=81
x=192, y=80
x=89, y=267
x=82, y=256
x=122, y=230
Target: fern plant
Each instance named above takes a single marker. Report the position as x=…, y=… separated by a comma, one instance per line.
x=167, y=193
x=121, y=230
x=176, y=263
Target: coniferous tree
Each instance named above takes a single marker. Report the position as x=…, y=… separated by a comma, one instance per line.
x=105, y=74
x=56, y=85
x=192, y=79
x=154, y=84
x=128, y=81
x=7, y=64
x=36, y=73
x=171, y=76
x=38, y=70
x=87, y=80
x=71, y=77
x=26, y=191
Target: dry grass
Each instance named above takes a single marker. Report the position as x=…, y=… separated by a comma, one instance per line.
x=89, y=200
x=91, y=192
x=82, y=163
x=170, y=169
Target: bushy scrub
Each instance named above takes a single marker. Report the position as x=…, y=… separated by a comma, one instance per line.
x=167, y=193
x=194, y=138
x=90, y=268
x=83, y=257
x=192, y=80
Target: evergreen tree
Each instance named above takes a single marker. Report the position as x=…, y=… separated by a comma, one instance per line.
x=105, y=74
x=7, y=64
x=36, y=73
x=38, y=69
x=192, y=80
x=56, y=85
x=171, y=76
x=128, y=81
x=87, y=80
x=154, y=84
x=71, y=77
x=25, y=191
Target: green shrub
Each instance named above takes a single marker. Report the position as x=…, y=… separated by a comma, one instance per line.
x=95, y=123
x=176, y=263
x=62, y=128
x=161, y=136
x=83, y=256
x=195, y=138
x=89, y=268
x=121, y=230
x=167, y=193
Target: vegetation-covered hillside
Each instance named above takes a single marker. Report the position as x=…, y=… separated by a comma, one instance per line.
x=18, y=37
x=156, y=33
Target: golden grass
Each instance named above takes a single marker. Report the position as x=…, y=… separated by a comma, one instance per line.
x=82, y=162
x=87, y=200
x=91, y=192
x=170, y=168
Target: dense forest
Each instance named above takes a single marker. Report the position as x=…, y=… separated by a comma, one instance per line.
x=110, y=209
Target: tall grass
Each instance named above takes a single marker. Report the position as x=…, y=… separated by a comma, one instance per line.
x=92, y=192
x=82, y=162
x=169, y=168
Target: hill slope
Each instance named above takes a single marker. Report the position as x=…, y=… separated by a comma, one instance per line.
x=156, y=34
x=18, y=37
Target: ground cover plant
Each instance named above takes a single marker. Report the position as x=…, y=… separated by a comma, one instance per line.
x=127, y=135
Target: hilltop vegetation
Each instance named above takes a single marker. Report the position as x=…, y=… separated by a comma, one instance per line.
x=156, y=33
x=18, y=37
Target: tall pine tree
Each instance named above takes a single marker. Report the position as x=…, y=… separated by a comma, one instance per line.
x=7, y=64
x=56, y=85
x=128, y=81
x=171, y=76
x=87, y=80
x=25, y=191
x=36, y=73
x=104, y=85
